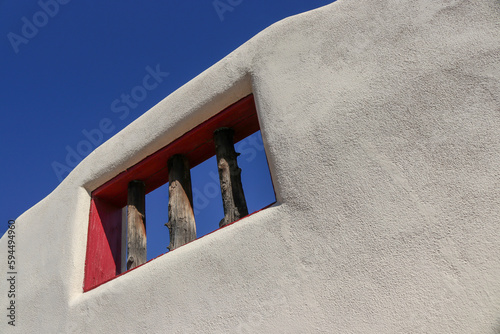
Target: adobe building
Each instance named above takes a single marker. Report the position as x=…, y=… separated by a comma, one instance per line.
x=381, y=126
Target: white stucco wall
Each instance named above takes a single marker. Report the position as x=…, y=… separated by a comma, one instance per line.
x=381, y=122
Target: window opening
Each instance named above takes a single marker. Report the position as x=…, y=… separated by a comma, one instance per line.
x=157, y=233
x=171, y=178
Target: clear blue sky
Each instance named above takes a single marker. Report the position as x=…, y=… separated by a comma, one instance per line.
x=64, y=63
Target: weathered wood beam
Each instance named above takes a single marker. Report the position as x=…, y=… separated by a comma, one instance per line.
x=233, y=198
x=136, y=224
x=181, y=223
x=124, y=246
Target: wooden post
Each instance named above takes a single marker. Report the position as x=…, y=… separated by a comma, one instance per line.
x=233, y=198
x=124, y=246
x=136, y=224
x=181, y=223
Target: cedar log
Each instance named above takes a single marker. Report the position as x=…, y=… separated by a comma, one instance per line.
x=181, y=223
x=233, y=198
x=136, y=224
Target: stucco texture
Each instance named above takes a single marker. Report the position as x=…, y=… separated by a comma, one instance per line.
x=381, y=123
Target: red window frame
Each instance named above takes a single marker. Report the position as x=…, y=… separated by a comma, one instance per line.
x=103, y=256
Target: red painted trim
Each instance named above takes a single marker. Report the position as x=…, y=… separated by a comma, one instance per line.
x=197, y=145
x=102, y=261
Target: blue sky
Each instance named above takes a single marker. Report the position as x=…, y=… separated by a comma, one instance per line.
x=65, y=62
